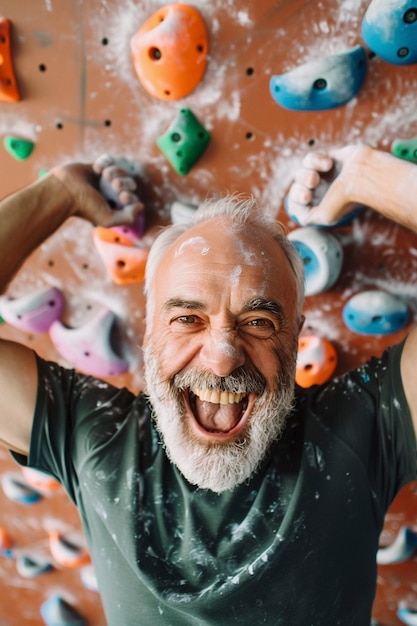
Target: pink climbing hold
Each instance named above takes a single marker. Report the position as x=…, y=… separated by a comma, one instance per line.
x=34, y=312
x=89, y=348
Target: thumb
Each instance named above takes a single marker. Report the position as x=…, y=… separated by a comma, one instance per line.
x=332, y=207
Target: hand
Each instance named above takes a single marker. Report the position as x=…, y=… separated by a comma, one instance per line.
x=83, y=184
x=328, y=186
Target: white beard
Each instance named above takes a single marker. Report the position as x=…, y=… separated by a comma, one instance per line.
x=217, y=466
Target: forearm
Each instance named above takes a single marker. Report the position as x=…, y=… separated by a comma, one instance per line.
x=27, y=218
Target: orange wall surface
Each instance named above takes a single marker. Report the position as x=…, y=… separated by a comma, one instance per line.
x=81, y=97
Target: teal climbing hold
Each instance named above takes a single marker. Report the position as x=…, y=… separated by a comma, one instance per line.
x=405, y=149
x=184, y=142
x=57, y=612
x=20, y=149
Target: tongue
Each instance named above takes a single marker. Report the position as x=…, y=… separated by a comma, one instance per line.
x=217, y=417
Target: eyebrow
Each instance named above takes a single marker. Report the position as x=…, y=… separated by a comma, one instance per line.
x=179, y=303
x=261, y=304
x=256, y=304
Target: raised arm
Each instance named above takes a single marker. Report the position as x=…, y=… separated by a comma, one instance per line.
x=364, y=176
x=68, y=190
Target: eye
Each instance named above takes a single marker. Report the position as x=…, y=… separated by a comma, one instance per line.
x=186, y=323
x=259, y=327
x=186, y=319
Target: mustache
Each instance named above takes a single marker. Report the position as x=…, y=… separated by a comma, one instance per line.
x=239, y=381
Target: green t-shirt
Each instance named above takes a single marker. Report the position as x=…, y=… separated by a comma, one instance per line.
x=295, y=546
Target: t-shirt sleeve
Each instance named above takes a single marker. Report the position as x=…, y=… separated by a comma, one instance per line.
x=368, y=409
x=72, y=412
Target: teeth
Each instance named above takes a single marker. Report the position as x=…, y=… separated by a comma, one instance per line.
x=218, y=397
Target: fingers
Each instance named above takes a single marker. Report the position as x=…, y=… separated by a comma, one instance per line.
x=308, y=178
x=127, y=214
x=300, y=194
x=118, y=189
x=308, y=189
x=318, y=161
x=103, y=161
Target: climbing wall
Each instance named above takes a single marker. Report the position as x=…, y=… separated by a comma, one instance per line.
x=281, y=78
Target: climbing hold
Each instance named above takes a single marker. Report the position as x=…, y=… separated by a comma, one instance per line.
x=184, y=142
x=34, y=312
x=57, y=612
x=39, y=480
x=182, y=213
x=9, y=91
x=401, y=549
x=375, y=312
x=89, y=348
x=6, y=543
x=88, y=577
x=323, y=84
x=405, y=149
x=407, y=615
x=20, y=149
x=134, y=231
x=389, y=29
x=316, y=361
x=170, y=51
x=32, y=566
x=17, y=490
x=66, y=551
x=124, y=261
x=322, y=255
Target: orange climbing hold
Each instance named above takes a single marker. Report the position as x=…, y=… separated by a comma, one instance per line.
x=124, y=261
x=9, y=91
x=316, y=361
x=108, y=235
x=66, y=552
x=6, y=542
x=170, y=51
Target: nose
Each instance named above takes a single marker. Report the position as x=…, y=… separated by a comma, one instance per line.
x=222, y=352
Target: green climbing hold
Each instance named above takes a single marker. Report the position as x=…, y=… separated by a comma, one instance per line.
x=20, y=149
x=405, y=149
x=184, y=142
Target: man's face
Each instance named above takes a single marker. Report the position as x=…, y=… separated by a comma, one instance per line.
x=220, y=351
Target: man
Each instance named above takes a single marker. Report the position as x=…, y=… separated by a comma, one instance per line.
x=242, y=501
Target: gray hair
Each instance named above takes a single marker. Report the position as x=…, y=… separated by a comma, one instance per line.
x=241, y=210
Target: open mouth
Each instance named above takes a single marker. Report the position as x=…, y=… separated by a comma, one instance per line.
x=219, y=413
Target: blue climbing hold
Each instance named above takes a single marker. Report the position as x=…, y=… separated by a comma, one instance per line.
x=375, y=312
x=322, y=256
x=17, y=490
x=323, y=84
x=389, y=29
x=57, y=612
x=401, y=549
